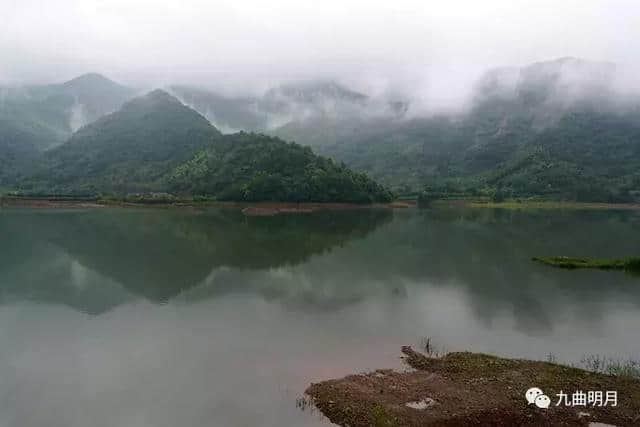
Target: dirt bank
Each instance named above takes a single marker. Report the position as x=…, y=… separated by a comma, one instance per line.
x=469, y=389
x=271, y=208
x=250, y=209
x=48, y=203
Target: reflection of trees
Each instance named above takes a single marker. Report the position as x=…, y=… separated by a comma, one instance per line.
x=485, y=252
x=158, y=254
x=488, y=254
x=33, y=270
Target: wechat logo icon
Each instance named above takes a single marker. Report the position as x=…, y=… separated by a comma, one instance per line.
x=535, y=396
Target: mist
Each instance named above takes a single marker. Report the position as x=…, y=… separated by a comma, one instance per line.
x=429, y=52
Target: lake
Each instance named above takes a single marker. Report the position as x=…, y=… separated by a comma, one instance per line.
x=152, y=317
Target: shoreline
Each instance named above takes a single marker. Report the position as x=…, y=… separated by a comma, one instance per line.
x=248, y=208
x=472, y=389
x=629, y=264
x=536, y=205
x=271, y=208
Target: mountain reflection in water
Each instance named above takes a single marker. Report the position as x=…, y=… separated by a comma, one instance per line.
x=193, y=317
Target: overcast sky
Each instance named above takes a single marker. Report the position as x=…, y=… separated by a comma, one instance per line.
x=434, y=47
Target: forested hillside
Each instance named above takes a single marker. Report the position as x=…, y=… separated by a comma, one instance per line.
x=127, y=151
x=554, y=129
x=247, y=166
x=157, y=144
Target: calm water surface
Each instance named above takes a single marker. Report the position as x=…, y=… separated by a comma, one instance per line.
x=190, y=318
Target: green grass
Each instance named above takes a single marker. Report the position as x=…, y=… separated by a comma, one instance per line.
x=627, y=264
x=550, y=204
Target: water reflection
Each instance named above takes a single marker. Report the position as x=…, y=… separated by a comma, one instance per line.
x=155, y=254
x=95, y=260
x=164, y=318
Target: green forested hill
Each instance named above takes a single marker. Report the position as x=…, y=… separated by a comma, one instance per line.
x=157, y=144
x=129, y=150
x=584, y=155
x=556, y=129
x=553, y=129
x=248, y=166
x=19, y=149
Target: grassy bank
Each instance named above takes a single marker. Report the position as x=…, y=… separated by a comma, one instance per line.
x=535, y=204
x=627, y=264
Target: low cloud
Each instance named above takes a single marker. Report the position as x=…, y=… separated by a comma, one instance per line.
x=430, y=53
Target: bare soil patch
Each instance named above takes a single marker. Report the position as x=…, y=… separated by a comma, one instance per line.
x=470, y=389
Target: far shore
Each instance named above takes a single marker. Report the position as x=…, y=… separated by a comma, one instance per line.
x=538, y=204
x=248, y=208
x=267, y=208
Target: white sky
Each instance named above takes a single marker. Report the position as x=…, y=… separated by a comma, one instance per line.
x=431, y=47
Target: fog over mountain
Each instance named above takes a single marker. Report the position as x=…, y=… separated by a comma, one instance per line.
x=547, y=89
x=427, y=52
x=300, y=102
x=531, y=99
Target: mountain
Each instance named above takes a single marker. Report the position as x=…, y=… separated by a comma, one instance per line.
x=556, y=129
x=305, y=99
x=58, y=110
x=129, y=150
x=291, y=110
x=35, y=118
x=18, y=152
x=319, y=114
x=93, y=96
x=155, y=143
x=229, y=114
x=255, y=167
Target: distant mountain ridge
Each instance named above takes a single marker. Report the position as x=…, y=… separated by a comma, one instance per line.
x=229, y=114
x=96, y=96
x=558, y=129
x=36, y=118
x=64, y=107
x=311, y=93
x=287, y=106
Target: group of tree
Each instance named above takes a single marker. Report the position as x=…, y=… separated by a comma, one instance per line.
x=540, y=136
x=155, y=143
